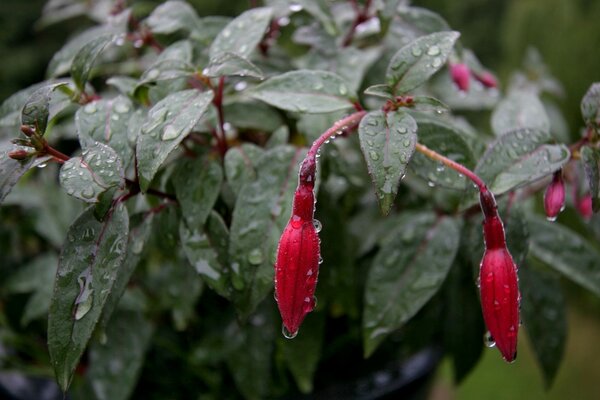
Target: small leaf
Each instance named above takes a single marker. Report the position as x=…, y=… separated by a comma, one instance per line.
x=168, y=123
x=590, y=157
x=240, y=165
x=93, y=253
x=36, y=111
x=545, y=318
x=520, y=110
x=387, y=142
x=242, y=35
x=85, y=58
x=197, y=185
x=414, y=63
x=590, y=106
x=116, y=364
x=12, y=170
x=95, y=172
x=567, y=252
x=383, y=91
x=227, y=64
x=408, y=270
x=306, y=92
x=173, y=16
x=11, y=108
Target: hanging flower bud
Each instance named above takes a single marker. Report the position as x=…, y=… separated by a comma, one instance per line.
x=498, y=283
x=487, y=79
x=554, y=197
x=461, y=75
x=584, y=206
x=298, y=256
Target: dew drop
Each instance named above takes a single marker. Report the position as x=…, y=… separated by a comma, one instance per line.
x=436, y=63
x=343, y=90
x=552, y=218
x=374, y=156
x=42, y=165
x=416, y=51
x=170, y=133
x=318, y=225
x=295, y=7
x=240, y=86
x=87, y=193
x=287, y=334
x=226, y=33
x=433, y=50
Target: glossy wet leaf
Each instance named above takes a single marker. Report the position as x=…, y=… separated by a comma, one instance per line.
x=172, y=16
x=407, y=271
x=423, y=19
x=227, y=64
x=84, y=60
x=590, y=106
x=90, y=259
x=242, y=35
x=241, y=165
x=519, y=110
x=567, y=252
x=96, y=171
x=115, y=364
x=545, y=317
x=253, y=115
x=590, y=157
x=381, y=90
x=306, y=92
x=12, y=170
x=352, y=64
x=414, y=63
x=167, y=124
x=36, y=109
x=206, y=248
x=387, y=142
x=106, y=121
x=173, y=62
x=261, y=212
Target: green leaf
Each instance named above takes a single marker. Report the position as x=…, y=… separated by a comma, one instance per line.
x=208, y=28
x=408, y=270
x=36, y=111
x=446, y=140
x=243, y=34
x=197, y=185
x=253, y=115
x=423, y=19
x=206, y=250
x=173, y=16
x=302, y=355
x=10, y=109
x=116, y=364
x=261, y=212
x=545, y=318
x=387, y=142
x=414, y=63
x=173, y=62
x=240, y=165
x=168, y=123
x=590, y=106
x=84, y=59
x=519, y=110
x=279, y=137
x=590, y=157
x=12, y=170
x=383, y=91
x=88, y=265
x=96, y=171
x=306, y=92
x=321, y=11
x=227, y=64
x=352, y=64
x=106, y=121
x=567, y=252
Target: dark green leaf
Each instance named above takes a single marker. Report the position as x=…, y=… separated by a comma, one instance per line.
x=383, y=91
x=85, y=58
x=197, y=185
x=88, y=265
x=11, y=170
x=387, y=141
x=206, y=250
x=36, y=111
x=352, y=64
x=306, y=92
x=261, y=212
x=567, y=252
x=116, y=364
x=242, y=35
x=321, y=11
x=520, y=110
x=590, y=157
x=240, y=165
x=96, y=171
x=10, y=109
x=168, y=123
x=253, y=115
x=173, y=16
x=408, y=270
x=517, y=234
x=590, y=106
x=279, y=137
x=226, y=64
x=413, y=64
x=173, y=62
x=545, y=318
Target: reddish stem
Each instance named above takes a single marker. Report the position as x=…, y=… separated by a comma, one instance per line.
x=361, y=16
x=343, y=125
x=218, y=103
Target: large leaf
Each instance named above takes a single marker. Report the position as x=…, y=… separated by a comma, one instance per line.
x=414, y=63
x=306, y=92
x=261, y=212
x=520, y=110
x=88, y=265
x=545, y=318
x=84, y=59
x=387, y=141
x=172, y=16
x=567, y=252
x=242, y=35
x=590, y=158
x=36, y=110
x=408, y=270
x=227, y=64
x=590, y=106
x=11, y=170
x=116, y=363
x=168, y=123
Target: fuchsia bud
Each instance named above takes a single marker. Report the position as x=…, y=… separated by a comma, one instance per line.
x=498, y=280
x=584, y=206
x=461, y=75
x=487, y=79
x=298, y=256
x=554, y=197
x=19, y=154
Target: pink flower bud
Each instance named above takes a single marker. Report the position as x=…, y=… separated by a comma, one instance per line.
x=554, y=197
x=461, y=74
x=487, y=79
x=19, y=154
x=584, y=206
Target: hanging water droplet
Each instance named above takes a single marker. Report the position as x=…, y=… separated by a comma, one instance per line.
x=287, y=334
x=170, y=133
x=440, y=168
x=255, y=257
x=488, y=340
x=317, y=224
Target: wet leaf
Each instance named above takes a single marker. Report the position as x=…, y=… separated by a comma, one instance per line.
x=590, y=106
x=306, y=92
x=240, y=165
x=92, y=256
x=407, y=271
x=590, y=157
x=12, y=170
x=519, y=110
x=383, y=91
x=173, y=62
x=253, y=115
x=84, y=60
x=168, y=123
x=387, y=141
x=414, y=63
x=172, y=16
x=228, y=64
x=36, y=110
x=423, y=19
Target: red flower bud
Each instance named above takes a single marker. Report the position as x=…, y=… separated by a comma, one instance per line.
x=461, y=74
x=19, y=154
x=554, y=197
x=584, y=206
x=27, y=130
x=487, y=79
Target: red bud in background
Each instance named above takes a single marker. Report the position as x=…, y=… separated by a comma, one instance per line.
x=554, y=197
x=584, y=206
x=461, y=75
x=487, y=79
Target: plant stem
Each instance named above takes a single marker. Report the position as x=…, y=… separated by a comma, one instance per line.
x=361, y=16
x=344, y=124
x=55, y=153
